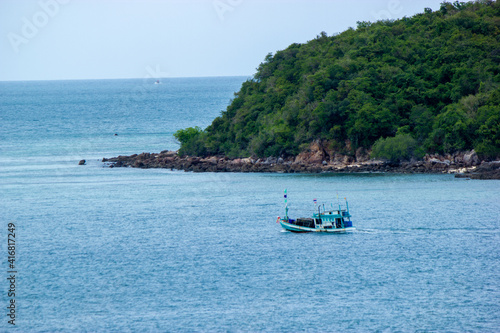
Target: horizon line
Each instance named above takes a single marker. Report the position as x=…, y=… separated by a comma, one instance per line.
x=131, y=78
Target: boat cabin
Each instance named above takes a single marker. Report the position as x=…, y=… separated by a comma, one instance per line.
x=334, y=219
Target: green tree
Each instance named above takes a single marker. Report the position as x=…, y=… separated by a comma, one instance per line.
x=399, y=148
x=192, y=141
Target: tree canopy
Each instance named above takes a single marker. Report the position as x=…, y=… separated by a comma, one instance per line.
x=432, y=79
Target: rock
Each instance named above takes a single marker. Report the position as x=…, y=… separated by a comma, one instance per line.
x=347, y=160
x=169, y=159
x=458, y=158
x=439, y=166
x=169, y=153
x=362, y=155
x=315, y=154
x=487, y=170
x=82, y=162
x=144, y=156
x=212, y=160
x=309, y=161
x=336, y=158
x=270, y=160
x=471, y=158
x=300, y=158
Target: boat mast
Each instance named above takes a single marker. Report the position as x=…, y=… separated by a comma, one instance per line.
x=316, y=206
x=286, y=207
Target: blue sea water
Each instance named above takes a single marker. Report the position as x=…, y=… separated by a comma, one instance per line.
x=117, y=250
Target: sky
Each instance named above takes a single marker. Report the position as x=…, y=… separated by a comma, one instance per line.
x=113, y=39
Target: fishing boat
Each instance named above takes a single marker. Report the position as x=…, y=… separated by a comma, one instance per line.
x=322, y=220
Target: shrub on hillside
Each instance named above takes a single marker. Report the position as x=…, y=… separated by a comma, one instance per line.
x=399, y=148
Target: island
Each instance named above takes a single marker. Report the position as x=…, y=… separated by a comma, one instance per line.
x=418, y=94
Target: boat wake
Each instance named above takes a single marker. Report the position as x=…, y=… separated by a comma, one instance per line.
x=426, y=230
x=382, y=231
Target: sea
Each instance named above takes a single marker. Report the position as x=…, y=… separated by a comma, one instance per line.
x=88, y=248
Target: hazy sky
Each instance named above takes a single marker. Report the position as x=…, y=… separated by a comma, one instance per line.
x=96, y=39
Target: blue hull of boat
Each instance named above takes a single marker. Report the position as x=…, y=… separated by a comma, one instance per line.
x=296, y=228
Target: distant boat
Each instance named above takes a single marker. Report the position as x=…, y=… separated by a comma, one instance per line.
x=157, y=82
x=332, y=221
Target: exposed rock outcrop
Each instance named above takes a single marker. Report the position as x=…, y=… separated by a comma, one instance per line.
x=486, y=170
x=314, y=160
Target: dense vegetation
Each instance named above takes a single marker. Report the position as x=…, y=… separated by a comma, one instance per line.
x=429, y=83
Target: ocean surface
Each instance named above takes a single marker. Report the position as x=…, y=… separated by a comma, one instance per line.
x=120, y=250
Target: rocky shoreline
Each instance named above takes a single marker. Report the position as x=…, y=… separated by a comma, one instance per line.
x=465, y=165
x=486, y=170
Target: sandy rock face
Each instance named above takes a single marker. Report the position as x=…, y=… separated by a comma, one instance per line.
x=315, y=154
